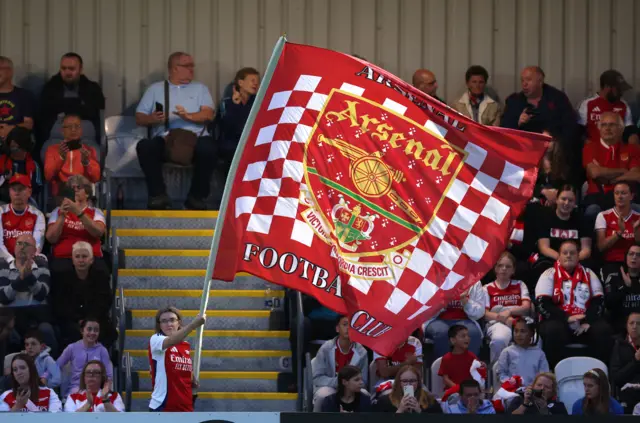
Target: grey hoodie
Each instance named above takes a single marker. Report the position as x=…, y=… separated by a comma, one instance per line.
x=524, y=362
x=48, y=368
x=324, y=364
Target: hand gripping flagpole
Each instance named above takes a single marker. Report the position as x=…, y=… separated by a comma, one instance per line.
x=275, y=56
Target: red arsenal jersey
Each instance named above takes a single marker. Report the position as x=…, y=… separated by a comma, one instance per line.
x=342, y=359
x=30, y=221
x=170, y=375
x=74, y=231
x=454, y=311
x=511, y=296
x=79, y=399
x=617, y=156
x=400, y=355
x=47, y=401
x=592, y=108
x=608, y=221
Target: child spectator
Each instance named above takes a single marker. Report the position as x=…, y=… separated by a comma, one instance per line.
x=471, y=400
x=597, y=400
x=455, y=367
x=349, y=397
x=48, y=370
x=403, y=399
x=524, y=358
x=83, y=351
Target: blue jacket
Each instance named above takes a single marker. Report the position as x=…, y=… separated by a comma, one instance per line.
x=48, y=368
x=614, y=407
x=458, y=408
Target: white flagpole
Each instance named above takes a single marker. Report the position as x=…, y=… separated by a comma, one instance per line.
x=275, y=56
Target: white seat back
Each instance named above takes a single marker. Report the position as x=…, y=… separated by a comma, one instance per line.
x=122, y=135
x=437, y=383
x=569, y=373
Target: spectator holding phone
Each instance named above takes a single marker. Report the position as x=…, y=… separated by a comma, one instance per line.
x=541, y=397
x=95, y=395
x=75, y=221
x=27, y=395
x=71, y=156
x=408, y=395
x=349, y=397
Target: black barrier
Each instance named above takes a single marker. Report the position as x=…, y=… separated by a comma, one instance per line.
x=432, y=418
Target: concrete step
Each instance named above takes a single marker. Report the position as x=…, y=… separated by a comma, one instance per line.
x=165, y=259
x=163, y=219
x=189, y=299
x=220, y=339
x=230, y=401
x=231, y=360
x=165, y=238
x=225, y=381
x=216, y=319
x=186, y=279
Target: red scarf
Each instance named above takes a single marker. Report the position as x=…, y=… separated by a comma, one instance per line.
x=475, y=100
x=630, y=341
x=580, y=276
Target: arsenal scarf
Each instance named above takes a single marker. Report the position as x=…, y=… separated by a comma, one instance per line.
x=565, y=285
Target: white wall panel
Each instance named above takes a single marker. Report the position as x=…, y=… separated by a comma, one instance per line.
x=125, y=43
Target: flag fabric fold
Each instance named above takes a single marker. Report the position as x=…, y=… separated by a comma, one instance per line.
x=379, y=201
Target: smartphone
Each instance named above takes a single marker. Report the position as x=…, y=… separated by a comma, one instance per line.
x=408, y=390
x=74, y=144
x=159, y=107
x=68, y=192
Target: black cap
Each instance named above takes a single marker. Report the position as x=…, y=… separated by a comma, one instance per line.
x=21, y=136
x=613, y=78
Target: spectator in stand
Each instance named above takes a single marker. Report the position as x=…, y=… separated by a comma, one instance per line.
x=170, y=361
x=425, y=81
x=540, y=107
x=70, y=92
x=70, y=157
x=608, y=100
x=617, y=229
x=95, y=395
x=476, y=103
x=81, y=352
x=625, y=363
x=233, y=113
x=24, y=286
x=75, y=221
x=349, y=397
x=470, y=402
x=7, y=323
x=570, y=303
x=408, y=395
x=26, y=394
x=455, y=366
x=19, y=218
x=623, y=296
x=563, y=221
x=541, y=397
x=608, y=162
x=82, y=292
x=48, y=370
x=190, y=108
x=597, y=400
x=505, y=300
x=524, y=358
x=466, y=311
x=18, y=160
x=332, y=357
x=409, y=353
x=16, y=104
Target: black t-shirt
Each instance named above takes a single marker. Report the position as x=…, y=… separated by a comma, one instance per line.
x=558, y=230
x=553, y=407
x=351, y=406
x=621, y=300
x=15, y=106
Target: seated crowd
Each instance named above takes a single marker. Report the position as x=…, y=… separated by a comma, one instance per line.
x=552, y=290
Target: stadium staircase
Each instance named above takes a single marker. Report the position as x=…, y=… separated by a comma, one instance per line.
x=246, y=359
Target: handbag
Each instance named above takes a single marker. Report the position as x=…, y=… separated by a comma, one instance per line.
x=180, y=144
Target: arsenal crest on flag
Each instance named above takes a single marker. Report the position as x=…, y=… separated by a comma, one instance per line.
x=353, y=187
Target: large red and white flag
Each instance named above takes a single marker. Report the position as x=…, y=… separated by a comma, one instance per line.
x=379, y=201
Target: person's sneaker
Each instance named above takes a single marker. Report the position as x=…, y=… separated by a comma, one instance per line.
x=193, y=203
x=161, y=202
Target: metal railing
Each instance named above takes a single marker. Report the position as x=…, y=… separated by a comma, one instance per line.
x=299, y=349
x=308, y=384
x=122, y=330
x=128, y=385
